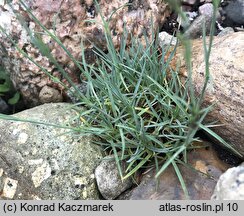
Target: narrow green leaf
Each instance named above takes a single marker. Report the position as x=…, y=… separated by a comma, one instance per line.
x=5, y=87
x=170, y=160
x=14, y=100
x=180, y=177
x=138, y=166
x=221, y=140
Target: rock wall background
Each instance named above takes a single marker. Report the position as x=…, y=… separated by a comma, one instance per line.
x=68, y=21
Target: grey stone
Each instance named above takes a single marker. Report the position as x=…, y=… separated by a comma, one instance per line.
x=225, y=31
x=191, y=15
x=190, y=2
x=44, y=162
x=71, y=94
x=125, y=195
x=109, y=181
x=239, y=29
x=205, y=1
x=205, y=17
x=48, y=95
x=230, y=185
x=235, y=11
x=167, y=39
x=206, y=9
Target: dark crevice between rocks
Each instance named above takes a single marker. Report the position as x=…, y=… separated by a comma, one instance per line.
x=223, y=154
x=227, y=156
x=6, y=108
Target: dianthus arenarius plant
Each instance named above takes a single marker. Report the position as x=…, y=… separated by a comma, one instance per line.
x=132, y=106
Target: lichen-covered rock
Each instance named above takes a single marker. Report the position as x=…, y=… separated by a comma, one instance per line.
x=68, y=21
x=230, y=185
x=109, y=181
x=43, y=162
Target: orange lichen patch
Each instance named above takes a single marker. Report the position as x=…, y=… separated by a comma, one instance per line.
x=201, y=166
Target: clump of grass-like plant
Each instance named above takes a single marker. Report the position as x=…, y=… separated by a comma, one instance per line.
x=132, y=106
x=134, y=109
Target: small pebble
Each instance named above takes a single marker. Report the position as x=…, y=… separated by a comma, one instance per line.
x=48, y=94
x=189, y=2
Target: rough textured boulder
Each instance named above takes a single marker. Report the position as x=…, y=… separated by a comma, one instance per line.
x=226, y=85
x=43, y=162
x=230, y=185
x=200, y=182
x=68, y=20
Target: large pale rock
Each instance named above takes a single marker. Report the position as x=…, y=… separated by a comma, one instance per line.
x=226, y=86
x=200, y=182
x=43, y=162
x=68, y=20
x=230, y=185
